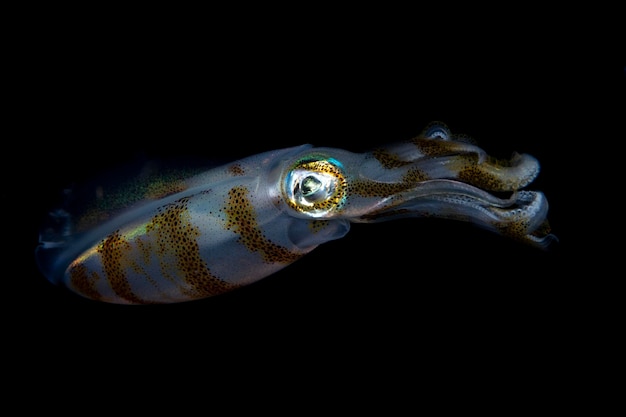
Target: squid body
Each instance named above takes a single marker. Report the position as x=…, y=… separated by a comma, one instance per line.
x=182, y=238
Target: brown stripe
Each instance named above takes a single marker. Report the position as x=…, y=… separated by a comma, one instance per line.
x=112, y=251
x=366, y=188
x=175, y=236
x=242, y=219
x=82, y=282
x=389, y=160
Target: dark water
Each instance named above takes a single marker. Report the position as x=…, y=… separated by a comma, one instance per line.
x=430, y=286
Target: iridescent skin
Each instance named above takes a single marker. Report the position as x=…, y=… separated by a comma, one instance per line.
x=236, y=224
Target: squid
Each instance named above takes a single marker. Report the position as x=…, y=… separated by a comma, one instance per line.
x=178, y=237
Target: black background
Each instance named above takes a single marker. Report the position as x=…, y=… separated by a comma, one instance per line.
x=431, y=295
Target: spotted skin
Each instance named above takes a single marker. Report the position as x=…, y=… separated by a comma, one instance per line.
x=242, y=220
x=112, y=252
x=170, y=238
x=83, y=282
x=199, y=236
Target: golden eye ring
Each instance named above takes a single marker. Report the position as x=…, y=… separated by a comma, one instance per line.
x=315, y=186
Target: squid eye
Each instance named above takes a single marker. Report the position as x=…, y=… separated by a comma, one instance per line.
x=314, y=187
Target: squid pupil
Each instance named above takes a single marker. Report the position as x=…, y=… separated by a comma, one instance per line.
x=310, y=185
